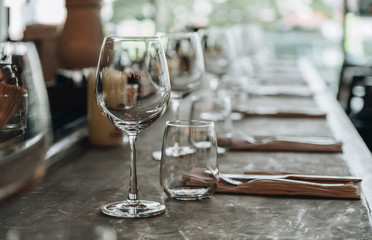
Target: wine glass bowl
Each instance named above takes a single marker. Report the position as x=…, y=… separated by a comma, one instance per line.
x=186, y=68
x=185, y=64
x=219, y=51
x=132, y=91
x=216, y=109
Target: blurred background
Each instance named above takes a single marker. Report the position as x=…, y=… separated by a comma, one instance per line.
x=335, y=35
x=313, y=28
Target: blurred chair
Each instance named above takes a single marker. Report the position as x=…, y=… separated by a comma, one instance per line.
x=359, y=106
x=351, y=67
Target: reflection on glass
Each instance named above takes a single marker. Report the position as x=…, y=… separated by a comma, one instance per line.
x=24, y=116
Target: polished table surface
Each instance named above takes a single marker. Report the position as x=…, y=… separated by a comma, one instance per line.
x=74, y=188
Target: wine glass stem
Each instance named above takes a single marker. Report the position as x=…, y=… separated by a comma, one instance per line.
x=214, y=82
x=133, y=189
x=176, y=103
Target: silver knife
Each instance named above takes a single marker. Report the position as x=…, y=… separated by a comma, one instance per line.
x=246, y=177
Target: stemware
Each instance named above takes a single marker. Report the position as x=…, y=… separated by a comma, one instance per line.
x=186, y=68
x=177, y=170
x=216, y=109
x=219, y=51
x=185, y=64
x=132, y=91
x=25, y=127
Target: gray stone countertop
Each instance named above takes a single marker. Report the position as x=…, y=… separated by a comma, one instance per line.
x=73, y=190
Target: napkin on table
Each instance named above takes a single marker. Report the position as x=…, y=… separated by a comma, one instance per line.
x=341, y=187
x=281, y=145
x=282, y=90
x=284, y=113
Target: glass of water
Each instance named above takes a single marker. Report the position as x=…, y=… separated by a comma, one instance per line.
x=191, y=173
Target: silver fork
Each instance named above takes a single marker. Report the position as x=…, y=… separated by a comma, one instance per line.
x=230, y=180
x=237, y=182
x=294, y=139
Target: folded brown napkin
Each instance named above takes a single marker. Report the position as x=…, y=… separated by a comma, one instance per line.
x=293, y=188
x=285, y=113
x=285, y=145
x=283, y=79
x=336, y=188
x=283, y=90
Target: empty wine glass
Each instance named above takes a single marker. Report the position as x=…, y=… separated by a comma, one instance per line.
x=219, y=51
x=185, y=64
x=132, y=91
x=216, y=109
x=186, y=67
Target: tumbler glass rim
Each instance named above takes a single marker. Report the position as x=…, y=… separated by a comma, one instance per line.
x=133, y=38
x=178, y=35
x=190, y=123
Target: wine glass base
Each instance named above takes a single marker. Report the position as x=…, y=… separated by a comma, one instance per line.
x=133, y=209
x=174, y=152
x=156, y=155
x=235, y=116
x=221, y=150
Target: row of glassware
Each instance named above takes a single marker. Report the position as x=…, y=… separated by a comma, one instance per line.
x=136, y=78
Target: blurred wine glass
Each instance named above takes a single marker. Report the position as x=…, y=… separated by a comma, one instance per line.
x=219, y=51
x=216, y=109
x=185, y=64
x=186, y=68
x=132, y=91
x=25, y=128
x=242, y=80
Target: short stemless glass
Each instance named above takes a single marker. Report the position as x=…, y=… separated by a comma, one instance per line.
x=191, y=174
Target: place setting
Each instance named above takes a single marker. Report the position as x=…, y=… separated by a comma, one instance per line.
x=288, y=90
x=279, y=112
x=233, y=135
x=265, y=183
x=195, y=175
x=212, y=119
x=274, y=102
x=269, y=76
x=243, y=141
x=278, y=72
x=280, y=184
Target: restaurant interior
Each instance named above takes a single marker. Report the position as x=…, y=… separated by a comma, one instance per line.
x=255, y=115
